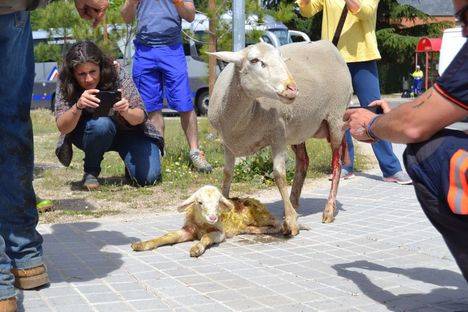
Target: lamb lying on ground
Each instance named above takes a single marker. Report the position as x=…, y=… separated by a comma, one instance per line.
x=210, y=217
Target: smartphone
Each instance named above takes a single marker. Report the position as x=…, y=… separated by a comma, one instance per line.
x=374, y=109
x=108, y=99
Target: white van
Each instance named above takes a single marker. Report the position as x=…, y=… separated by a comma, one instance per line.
x=452, y=42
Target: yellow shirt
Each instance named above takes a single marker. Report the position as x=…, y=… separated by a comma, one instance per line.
x=358, y=42
x=417, y=74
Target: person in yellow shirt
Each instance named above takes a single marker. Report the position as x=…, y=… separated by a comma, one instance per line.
x=358, y=46
x=417, y=81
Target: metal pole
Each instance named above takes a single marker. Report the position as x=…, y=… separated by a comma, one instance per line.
x=238, y=25
x=212, y=46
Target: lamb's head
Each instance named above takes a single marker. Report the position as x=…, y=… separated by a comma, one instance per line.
x=207, y=202
x=263, y=72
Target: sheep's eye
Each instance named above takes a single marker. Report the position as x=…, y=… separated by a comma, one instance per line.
x=200, y=203
x=254, y=61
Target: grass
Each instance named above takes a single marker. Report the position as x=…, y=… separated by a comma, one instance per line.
x=53, y=181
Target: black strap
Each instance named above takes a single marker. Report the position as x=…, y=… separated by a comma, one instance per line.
x=339, y=27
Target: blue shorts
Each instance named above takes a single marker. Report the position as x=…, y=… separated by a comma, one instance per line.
x=159, y=71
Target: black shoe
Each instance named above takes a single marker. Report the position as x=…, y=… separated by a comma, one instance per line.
x=90, y=182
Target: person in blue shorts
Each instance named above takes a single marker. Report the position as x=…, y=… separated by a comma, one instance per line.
x=436, y=158
x=159, y=65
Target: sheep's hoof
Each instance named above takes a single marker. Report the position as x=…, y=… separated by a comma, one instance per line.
x=197, y=250
x=290, y=229
x=329, y=213
x=139, y=246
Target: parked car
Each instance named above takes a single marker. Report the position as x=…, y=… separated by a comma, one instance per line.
x=275, y=33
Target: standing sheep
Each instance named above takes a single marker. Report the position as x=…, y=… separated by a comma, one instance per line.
x=255, y=103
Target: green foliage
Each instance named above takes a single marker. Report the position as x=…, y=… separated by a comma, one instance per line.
x=61, y=18
x=44, y=52
x=284, y=12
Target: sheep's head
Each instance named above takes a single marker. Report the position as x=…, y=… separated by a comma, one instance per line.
x=263, y=72
x=208, y=202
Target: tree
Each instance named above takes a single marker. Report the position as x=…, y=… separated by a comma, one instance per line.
x=61, y=19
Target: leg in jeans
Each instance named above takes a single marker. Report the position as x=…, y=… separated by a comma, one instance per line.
x=427, y=164
x=141, y=156
x=18, y=214
x=366, y=86
x=94, y=136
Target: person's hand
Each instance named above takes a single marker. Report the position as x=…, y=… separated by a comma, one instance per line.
x=88, y=99
x=383, y=104
x=121, y=106
x=178, y=3
x=304, y=2
x=356, y=120
x=92, y=9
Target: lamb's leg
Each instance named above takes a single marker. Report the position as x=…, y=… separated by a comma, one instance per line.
x=207, y=240
x=167, y=239
x=279, y=171
x=251, y=229
x=329, y=211
x=228, y=170
x=302, y=164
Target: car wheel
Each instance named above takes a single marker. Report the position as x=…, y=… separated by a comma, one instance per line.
x=203, y=100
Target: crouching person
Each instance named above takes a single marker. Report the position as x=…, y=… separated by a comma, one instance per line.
x=86, y=72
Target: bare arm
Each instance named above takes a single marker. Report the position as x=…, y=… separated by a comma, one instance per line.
x=353, y=5
x=68, y=120
x=134, y=116
x=186, y=10
x=309, y=8
x=363, y=9
x=128, y=10
x=411, y=122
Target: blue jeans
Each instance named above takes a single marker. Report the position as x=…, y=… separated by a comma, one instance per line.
x=96, y=136
x=366, y=86
x=20, y=243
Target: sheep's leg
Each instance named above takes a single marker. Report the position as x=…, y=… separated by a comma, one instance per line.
x=167, y=239
x=207, y=240
x=329, y=211
x=228, y=170
x=279, y=172
x=302, y=164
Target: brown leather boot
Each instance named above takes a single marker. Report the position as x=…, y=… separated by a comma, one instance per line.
x=8, y=305
x=30, y=278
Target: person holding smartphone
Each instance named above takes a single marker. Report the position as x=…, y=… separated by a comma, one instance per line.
x=358, y=46
x=98, y=109
x=436, y=158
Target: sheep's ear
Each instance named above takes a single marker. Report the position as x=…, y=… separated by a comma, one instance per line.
x=187, y=202
x=231, y=57
x=226, y=203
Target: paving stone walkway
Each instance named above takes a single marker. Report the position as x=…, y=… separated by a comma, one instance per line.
x=380, y=254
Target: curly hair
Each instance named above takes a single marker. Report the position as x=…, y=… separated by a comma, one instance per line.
x=80, y=53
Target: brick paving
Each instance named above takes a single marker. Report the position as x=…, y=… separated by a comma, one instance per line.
x=380, y=254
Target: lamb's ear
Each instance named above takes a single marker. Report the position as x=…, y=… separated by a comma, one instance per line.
x=188, y=201
x=226, y=203
x=230, y=57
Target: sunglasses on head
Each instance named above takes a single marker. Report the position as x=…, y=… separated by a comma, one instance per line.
x=460, y=15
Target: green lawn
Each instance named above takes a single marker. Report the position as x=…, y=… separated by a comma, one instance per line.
x=62, y=184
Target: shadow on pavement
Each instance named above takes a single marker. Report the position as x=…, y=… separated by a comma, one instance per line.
x=369, y=176
x=307, y=206
x=79, y=252
x=451, y=294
